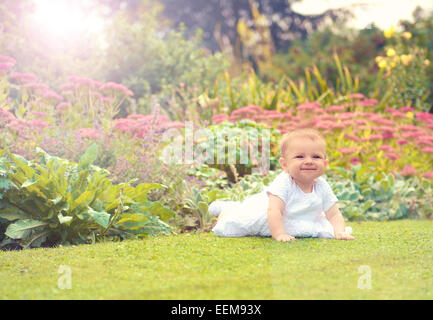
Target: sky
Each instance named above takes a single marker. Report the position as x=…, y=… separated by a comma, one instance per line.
x=384, y=13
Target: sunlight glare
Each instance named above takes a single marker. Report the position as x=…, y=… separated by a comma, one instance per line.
x=64, y=20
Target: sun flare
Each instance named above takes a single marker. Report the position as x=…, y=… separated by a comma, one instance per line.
x=63, y=20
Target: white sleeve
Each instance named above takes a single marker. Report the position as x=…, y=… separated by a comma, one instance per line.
x=280, y=187
x=328, y=196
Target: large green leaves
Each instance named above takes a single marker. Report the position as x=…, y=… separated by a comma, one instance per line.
x=54, y=197
x=23, y=228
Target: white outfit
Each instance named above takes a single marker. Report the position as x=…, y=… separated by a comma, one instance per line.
x=304, y=215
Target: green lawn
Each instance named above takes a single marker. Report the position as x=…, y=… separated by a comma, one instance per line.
x=399, y=255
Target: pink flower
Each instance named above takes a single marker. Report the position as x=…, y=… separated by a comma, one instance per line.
x=24, y=77
x=384, y=121
x=411, y=134
x=408, y=170
x=325, y=124
x=402, y=142
x=395, y=112
x=37, y=123
x=357, y=96
x=38, y=114
x=427, y=150
x=6, y=115
x=428, y=175
x=90, y=133
x=407, y=109
x=354, y=138
x=368, y=103
x=8, y=60
x=5, y=67
x=334, y=108
x=424, y=116
x=308, y=106
x=426, y=140
x=355, y=161
x=375, y=137
x=116, y=87
x=49, y=94
x=385, y=147
x=84, y=81
x=392, y=156
x=409, y=127
x=388, y=135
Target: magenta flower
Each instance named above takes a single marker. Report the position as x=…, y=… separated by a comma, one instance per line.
x=422, y=116
x=402, y=142
x=355, y=161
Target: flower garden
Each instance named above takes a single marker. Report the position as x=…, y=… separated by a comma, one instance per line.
x=82, y=162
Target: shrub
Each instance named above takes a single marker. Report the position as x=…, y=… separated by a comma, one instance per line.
x=51, y=201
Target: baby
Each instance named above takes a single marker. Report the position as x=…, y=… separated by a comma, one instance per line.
x=298, y=203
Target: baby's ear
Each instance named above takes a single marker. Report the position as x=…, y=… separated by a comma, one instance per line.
x=282, y=163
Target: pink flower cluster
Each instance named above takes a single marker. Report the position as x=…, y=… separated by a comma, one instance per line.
x=384, y=127
x=6, y=64
x=105, y=88
x=139, y=125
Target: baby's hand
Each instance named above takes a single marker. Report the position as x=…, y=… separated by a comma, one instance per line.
x=343, y=236
x=284, y=237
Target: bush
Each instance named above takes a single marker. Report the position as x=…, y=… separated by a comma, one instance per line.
x=50, y=201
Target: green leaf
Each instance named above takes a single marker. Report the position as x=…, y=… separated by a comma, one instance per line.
x=22, y=228
x=100, y=217
x=155, y=208
x=13, y=213
x=140, y=194
x=89, y=156
x=203, y=207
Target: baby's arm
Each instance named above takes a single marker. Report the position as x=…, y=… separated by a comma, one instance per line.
x=275, y=219
x=336, y=219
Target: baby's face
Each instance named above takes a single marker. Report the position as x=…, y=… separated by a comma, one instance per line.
x=305, y=160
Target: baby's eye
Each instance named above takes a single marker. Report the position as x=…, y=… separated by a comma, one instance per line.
x=299, y=157
x=317, y=157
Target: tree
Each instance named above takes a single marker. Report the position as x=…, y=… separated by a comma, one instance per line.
x=284, y=24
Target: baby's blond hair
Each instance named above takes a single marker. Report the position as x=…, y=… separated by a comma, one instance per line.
x=309, y=133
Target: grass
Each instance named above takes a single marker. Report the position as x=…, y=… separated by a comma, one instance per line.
x=203, y=266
